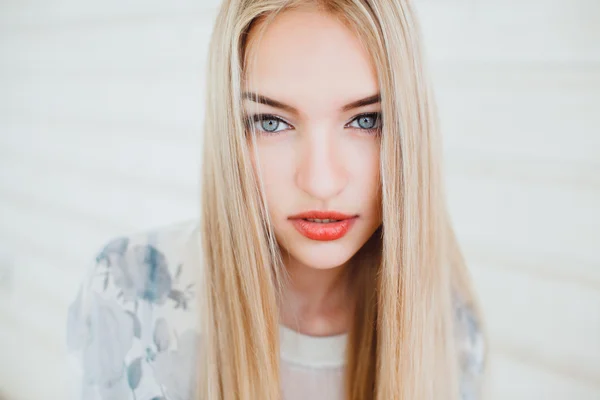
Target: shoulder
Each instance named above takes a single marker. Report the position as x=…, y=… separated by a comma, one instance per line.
x=132, y=325
x=471, y=348
x=147, y=266
x=144, y=264
x=169, y=240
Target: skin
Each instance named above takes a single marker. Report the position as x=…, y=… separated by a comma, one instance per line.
x=319, y=158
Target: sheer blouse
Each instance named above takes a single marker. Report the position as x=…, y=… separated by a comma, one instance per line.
x=132, y=328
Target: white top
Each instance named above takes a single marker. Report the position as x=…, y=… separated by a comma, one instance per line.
x=132, y=328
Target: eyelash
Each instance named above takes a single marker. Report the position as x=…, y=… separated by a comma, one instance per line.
x=262, y=117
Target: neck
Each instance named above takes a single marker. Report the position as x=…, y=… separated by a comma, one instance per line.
x=316, y=300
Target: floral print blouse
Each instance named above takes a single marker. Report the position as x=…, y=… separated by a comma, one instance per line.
x=132, y=328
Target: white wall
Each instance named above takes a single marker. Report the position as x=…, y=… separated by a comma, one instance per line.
x=101, y=110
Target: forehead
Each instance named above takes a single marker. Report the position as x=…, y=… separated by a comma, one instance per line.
x=308, y=59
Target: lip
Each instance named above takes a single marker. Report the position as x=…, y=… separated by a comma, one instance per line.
x=323, y=231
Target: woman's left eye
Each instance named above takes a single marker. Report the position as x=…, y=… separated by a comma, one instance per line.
x=369, y=122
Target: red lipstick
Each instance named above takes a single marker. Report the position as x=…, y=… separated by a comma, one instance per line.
x=323, y=225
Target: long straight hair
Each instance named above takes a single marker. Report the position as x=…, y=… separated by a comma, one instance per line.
x=401, y=345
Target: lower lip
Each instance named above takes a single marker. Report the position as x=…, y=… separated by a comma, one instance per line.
x=323, y=231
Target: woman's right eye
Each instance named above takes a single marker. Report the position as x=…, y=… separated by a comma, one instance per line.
x=268, y=124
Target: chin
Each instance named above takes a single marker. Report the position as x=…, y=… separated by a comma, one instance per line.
x=322, y=255
x=325, y=254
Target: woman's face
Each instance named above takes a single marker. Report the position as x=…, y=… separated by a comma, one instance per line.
x=317, y=120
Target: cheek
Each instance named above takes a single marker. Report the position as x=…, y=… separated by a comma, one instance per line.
x=274, y=166
x=373, y=179
x=363, y=163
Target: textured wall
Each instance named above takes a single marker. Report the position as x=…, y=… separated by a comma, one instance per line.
x=101, y=110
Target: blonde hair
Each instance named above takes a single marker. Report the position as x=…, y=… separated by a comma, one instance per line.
x=401, y=345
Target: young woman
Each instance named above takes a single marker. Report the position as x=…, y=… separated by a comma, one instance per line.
x=324, y=265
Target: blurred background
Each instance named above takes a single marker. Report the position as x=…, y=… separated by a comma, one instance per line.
x=101, y=110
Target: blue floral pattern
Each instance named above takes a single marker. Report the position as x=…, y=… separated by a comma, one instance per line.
x=471, y=349
x=132, y=327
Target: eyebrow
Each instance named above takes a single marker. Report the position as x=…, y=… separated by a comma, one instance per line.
x=376, y=98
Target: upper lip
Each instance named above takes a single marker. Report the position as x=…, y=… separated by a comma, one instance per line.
x=316, y=214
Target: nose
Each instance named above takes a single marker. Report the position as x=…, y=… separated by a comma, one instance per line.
x=321, y=172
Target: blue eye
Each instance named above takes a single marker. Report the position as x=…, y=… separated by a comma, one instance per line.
x=370, y=122
x=267, y=123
